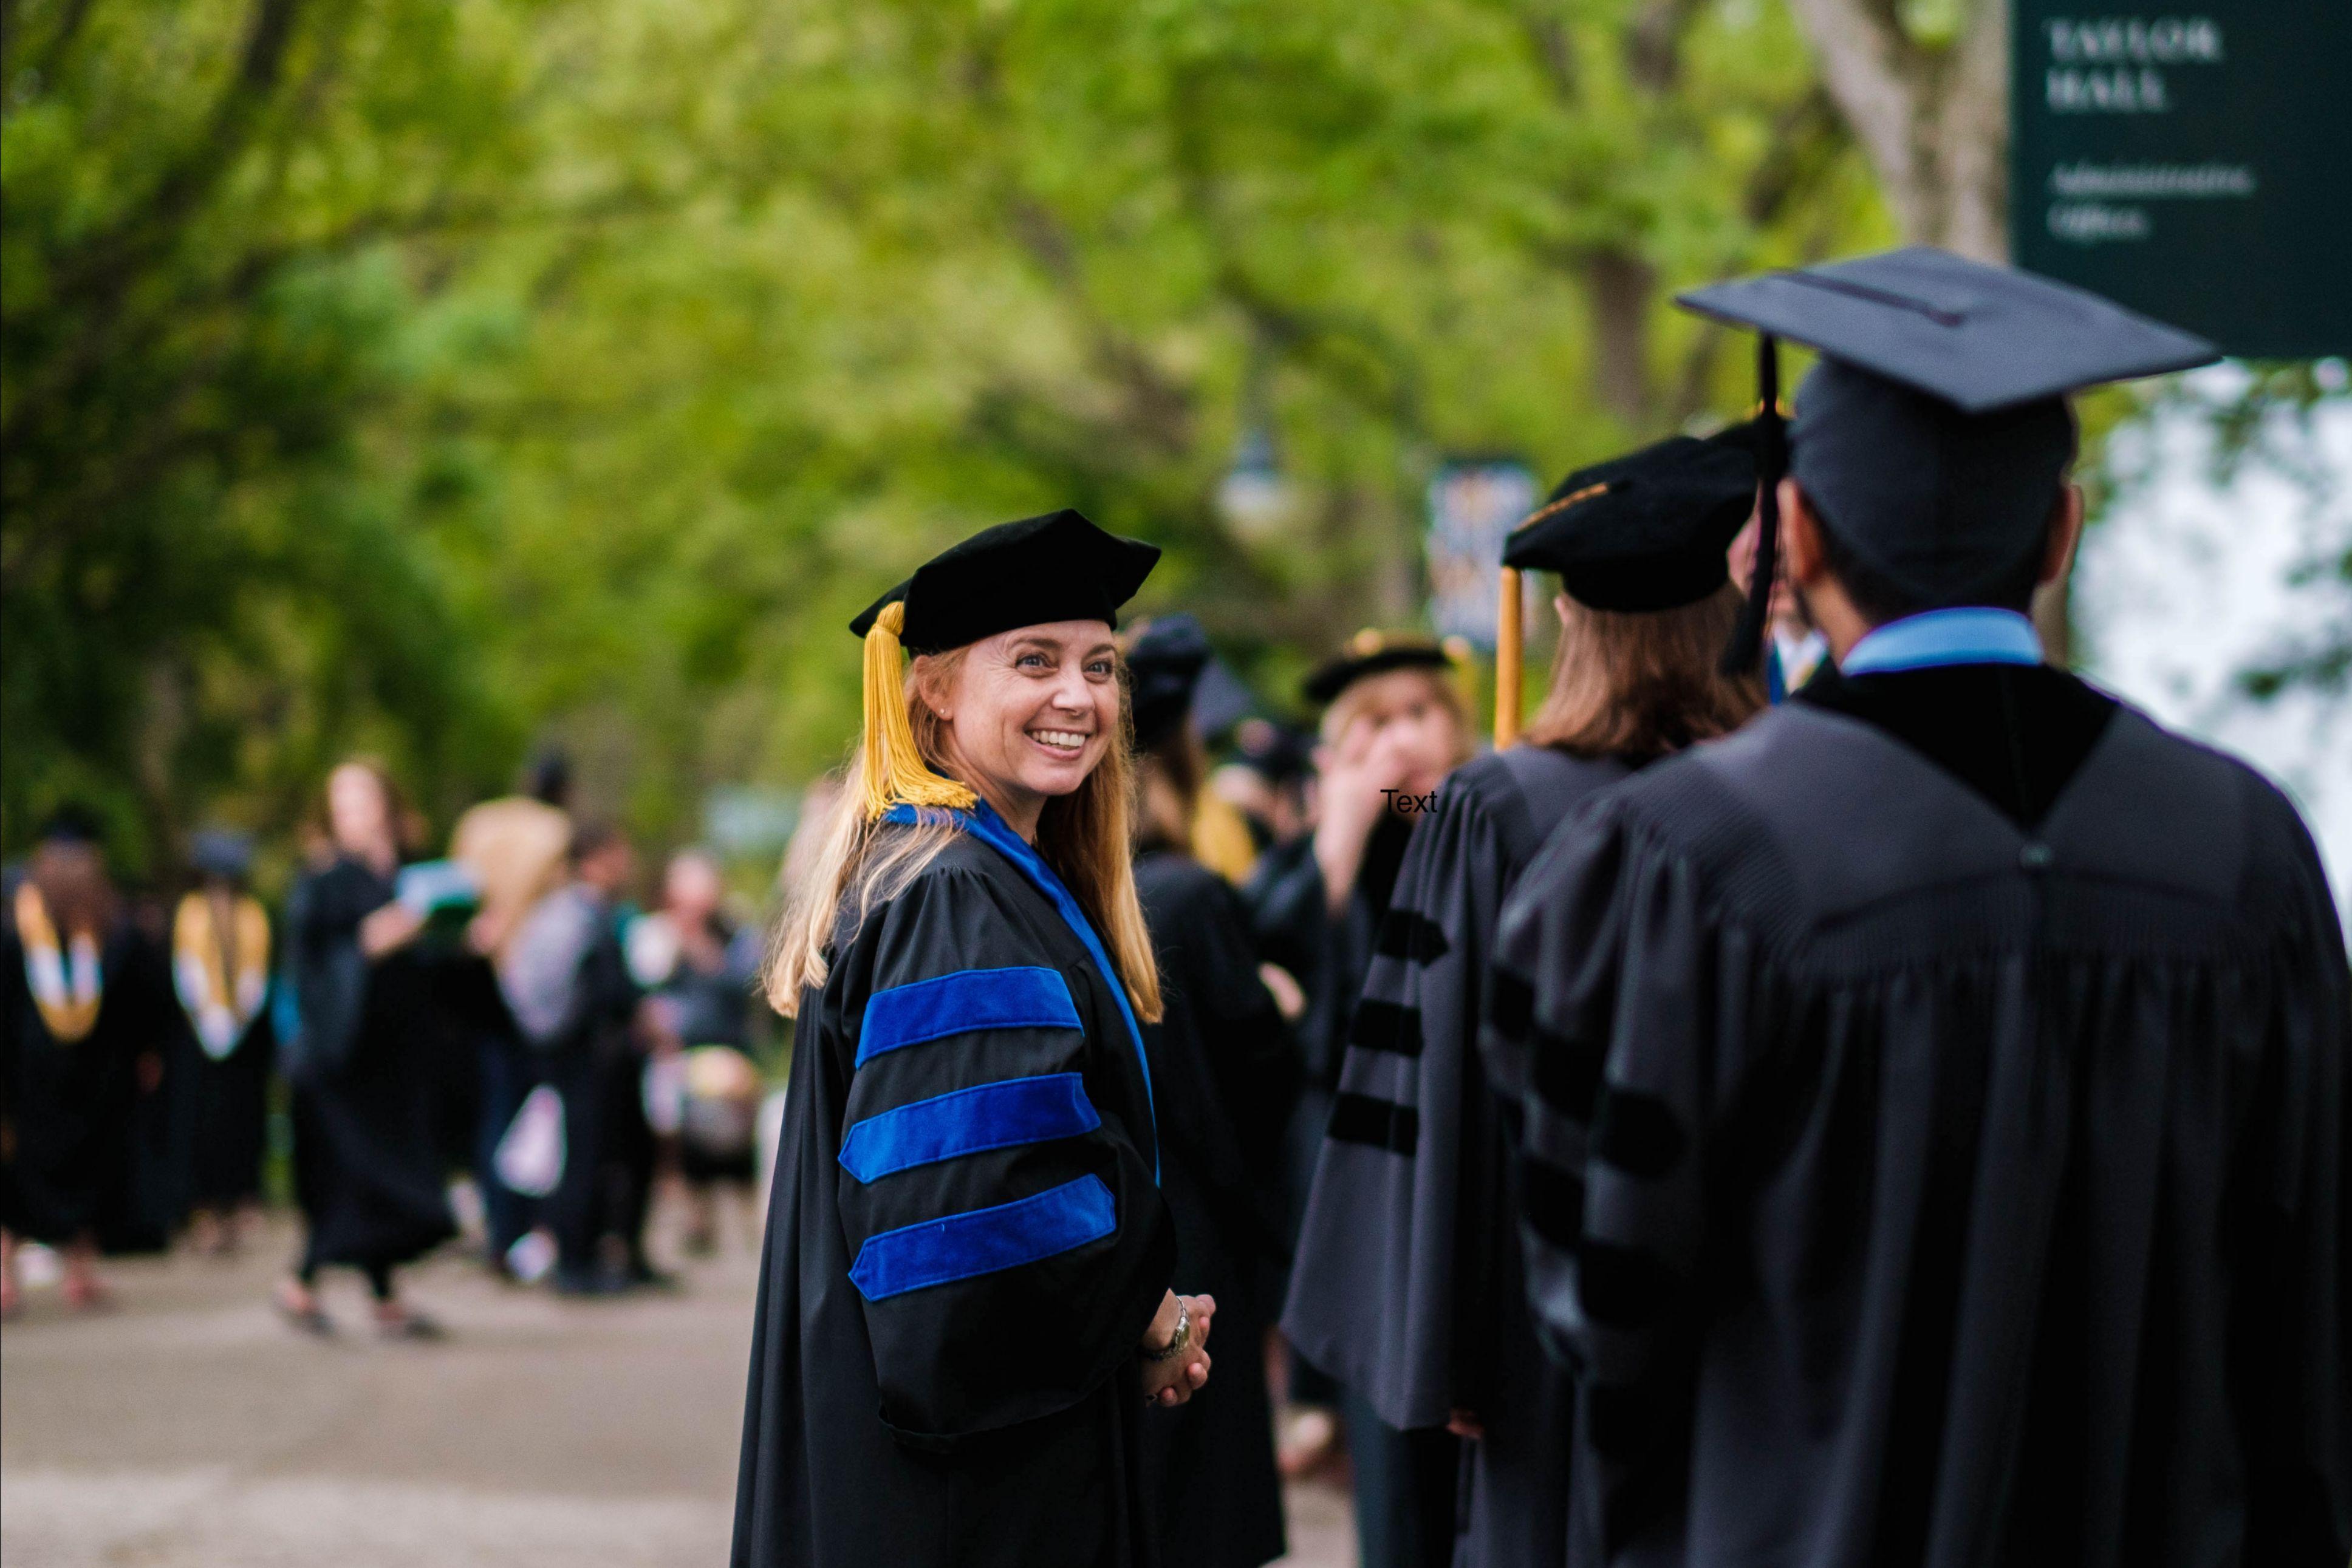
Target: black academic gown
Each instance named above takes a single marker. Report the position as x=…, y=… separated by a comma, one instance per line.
x=369, y=1122
x=1940, y=1161
x=1408, y=1286
x=72, y=1108
x=1327, y=955
x=1224, y=1070
x=1404, y=1480
x=965, y=1242
x=230, y=1114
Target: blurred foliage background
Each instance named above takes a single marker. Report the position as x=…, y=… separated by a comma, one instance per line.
x=436, y=379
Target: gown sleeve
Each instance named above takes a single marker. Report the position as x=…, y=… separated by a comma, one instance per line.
x=1008, y=1245
x=1386, y=1249
x=1607, y=1009
x=2299, y=1432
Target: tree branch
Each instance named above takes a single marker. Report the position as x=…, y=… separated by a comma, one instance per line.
x=105, y=262
x=1870, y=69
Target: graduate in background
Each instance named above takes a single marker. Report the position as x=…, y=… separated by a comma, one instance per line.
x=220, y=968
x=1392, y=728
x=567, y=982
x=1224, y=1070
x=367, y=1130
x=1408, y=1285
x=85, y=1010
x=965, y=1301
x=699, y=969
x=516, y=847
x=1265, y=784
x=1934, y=1094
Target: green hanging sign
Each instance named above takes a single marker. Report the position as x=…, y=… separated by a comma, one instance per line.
x=2193, y=164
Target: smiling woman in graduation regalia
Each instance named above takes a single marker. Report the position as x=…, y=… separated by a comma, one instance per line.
x=1407, y=1284
x=964, y=1303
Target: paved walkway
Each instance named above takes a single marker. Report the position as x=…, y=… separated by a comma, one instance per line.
x=188, y=1428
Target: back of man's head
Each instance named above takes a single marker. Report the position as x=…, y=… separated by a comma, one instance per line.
x=1921, y=506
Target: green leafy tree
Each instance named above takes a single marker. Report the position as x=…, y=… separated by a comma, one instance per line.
x=420, y=376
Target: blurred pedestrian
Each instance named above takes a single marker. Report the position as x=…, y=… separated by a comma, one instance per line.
x=567, y=981
x=1393, y=727
x=221, y=957
x=367, y=1146
x=87, y=1011
x=965, y=1307
x=1266, y=783
x=1225, y=1073
x=1408, y=1285
x=514, y=846
x=699, y=969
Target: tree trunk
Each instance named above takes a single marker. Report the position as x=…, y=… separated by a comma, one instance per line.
x=1621, y=288
x=1933, y=117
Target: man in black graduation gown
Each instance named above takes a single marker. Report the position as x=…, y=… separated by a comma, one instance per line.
x=1939, y=1088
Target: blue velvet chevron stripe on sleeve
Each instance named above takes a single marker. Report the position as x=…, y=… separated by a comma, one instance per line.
x=984, y=1240
x=969, y=1121
x=1027, y=997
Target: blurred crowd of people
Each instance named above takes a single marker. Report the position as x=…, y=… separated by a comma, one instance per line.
x=507, y=1020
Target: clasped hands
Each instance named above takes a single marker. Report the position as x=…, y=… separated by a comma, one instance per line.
x=1173, y=1381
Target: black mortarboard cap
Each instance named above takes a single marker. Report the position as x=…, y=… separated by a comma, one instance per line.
x=1221, y=700
x=221, y=852
x=1375, y=652
x=72, y=823
x=1058, y=566
x=1276, y=753
x=1645, y=531
x=1164, y=665
x=1930, y=438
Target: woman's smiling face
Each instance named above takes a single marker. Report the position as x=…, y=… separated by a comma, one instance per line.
x=1031, y=712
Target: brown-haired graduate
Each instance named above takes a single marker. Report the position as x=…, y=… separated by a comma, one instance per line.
x=964, y=1303
x=1407, y=1285
x=368, y=1167
x=1225, y=1072
x=1936, y=1092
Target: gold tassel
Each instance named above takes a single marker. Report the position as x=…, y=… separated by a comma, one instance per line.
x=895, y=770
x=1507, y=652
x=1463, y=661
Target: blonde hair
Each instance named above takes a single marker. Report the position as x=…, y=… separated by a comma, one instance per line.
x=863, y=861
x=1642, y=683
x=1354, y=700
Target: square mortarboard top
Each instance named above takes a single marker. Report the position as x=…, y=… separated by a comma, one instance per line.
x=1932, y=435
x=1976, y=337
x=1646, y=531
x=1057, y=567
